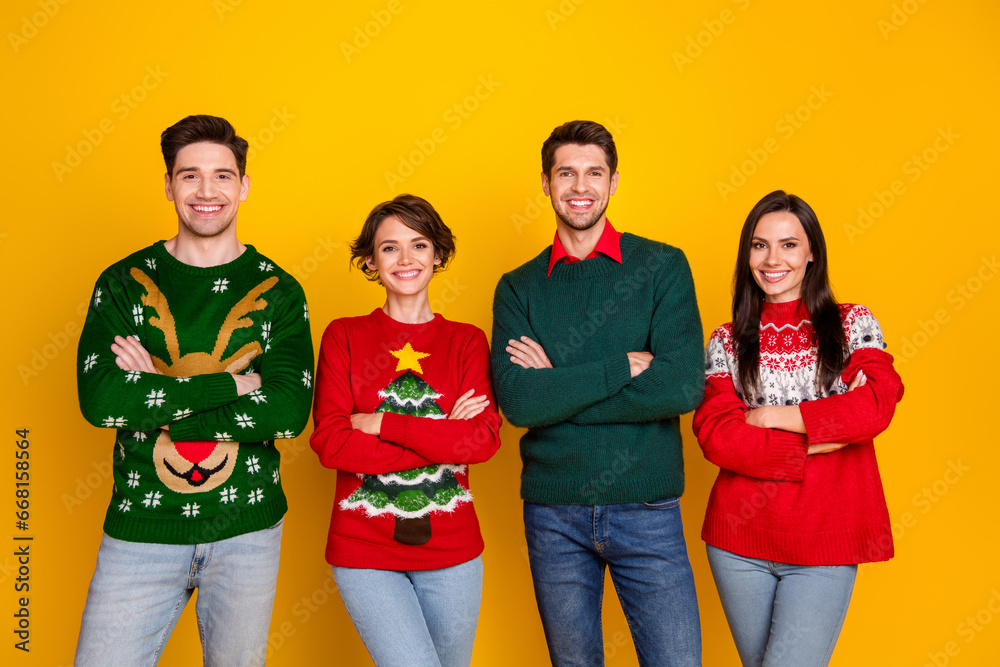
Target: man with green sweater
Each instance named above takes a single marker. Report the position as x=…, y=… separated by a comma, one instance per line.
x=597, y=350
x=197, y=351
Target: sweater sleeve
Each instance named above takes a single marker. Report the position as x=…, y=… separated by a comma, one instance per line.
x=280, y=408
x=535, y=397
x=674, y=382
x=112, y=397
x=454, y=440
x=337, y=443
x=729, y=442
x=859, y=415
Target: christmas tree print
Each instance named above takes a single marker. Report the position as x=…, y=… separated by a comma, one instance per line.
x=410, y=495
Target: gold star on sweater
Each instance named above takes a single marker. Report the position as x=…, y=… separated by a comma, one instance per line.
x=409, y=358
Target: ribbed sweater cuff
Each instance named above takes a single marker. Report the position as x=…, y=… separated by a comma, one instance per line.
x=616, y=373
x=787, y=456
x=394, y=428
x=823, y=423
x=219, y=390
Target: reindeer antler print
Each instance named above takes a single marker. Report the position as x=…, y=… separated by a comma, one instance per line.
x=163, y=320
x=236, y=320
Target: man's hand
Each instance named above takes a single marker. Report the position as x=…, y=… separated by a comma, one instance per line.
x=246, y=383
x=468, y=406
x=526, y=353
x=130, y=355
x=638, y=362
x=367, y=422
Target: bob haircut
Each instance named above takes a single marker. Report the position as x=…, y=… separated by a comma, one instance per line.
x=816, y=294
x=417, y=214
x=202, y=129
x=581, y=132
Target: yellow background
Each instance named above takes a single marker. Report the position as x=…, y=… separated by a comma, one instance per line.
x=835, y=102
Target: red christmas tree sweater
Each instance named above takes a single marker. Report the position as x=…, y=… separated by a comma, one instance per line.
x=771, y=500
x=402, y=499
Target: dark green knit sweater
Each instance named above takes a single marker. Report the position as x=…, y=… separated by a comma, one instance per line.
x=215, y=473
x=595, y=435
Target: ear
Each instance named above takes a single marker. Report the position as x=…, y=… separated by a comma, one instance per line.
x=545, y=185
x=244, y=187
x=437, y=260
x=370, y=263
x=166, y=186
x=614, y=182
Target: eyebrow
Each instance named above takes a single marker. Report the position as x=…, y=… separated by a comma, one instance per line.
x=196, y=170
x=593, y=168
x=787, y=238
x=415, y=238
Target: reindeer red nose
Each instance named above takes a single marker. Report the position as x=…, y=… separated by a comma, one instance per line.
x=195, y=452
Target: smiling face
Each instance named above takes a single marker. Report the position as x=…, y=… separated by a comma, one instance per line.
x=580, y=186
x=206, y=189
x=779, y=255
x=404, y=258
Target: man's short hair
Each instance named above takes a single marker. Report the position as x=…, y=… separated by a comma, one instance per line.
x=198, y=129
x=582, y=132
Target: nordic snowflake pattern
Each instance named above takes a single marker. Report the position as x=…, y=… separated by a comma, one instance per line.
x=132, y=376
x=253, y=465
x=274, y=476
x=125, y=505
x=225, y=437
x=257, y=396
x=220, y=285
x=137, y=314
x=256, y=496
x=89, y=362
x=266, y=266
x=228, y=495
x=183, y=379
x=180, y=414
x=191, y=509
x=139, y=435
x=307, y=379
x=155, y=398
x=151, y=263
x=97, y=297
x=133, y=478
x=284, y=434
x=152, y=499
x=305, y=308
x=114, y=421
x=244, y=420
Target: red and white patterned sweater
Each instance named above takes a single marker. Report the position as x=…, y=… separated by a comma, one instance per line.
x=771, y=500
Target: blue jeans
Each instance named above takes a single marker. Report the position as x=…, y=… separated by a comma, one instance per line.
x=139, y=590
x=643, y=546
x=782, y=614
x=419, y=618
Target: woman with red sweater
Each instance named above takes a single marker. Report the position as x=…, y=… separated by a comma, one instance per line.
x=797, y=386
x=403, y=405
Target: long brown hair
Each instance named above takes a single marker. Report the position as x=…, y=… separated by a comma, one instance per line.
x=817, y=297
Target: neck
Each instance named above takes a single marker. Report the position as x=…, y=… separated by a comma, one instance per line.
x=204, y=252
x=409, y=309
x=580, y=243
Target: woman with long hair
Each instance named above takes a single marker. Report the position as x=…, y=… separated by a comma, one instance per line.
x=403, y=405
x=797, y=387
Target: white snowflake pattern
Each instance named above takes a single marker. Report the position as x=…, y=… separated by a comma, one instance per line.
x=155, y=398
x=266, y=266
x=89, y=362
x=244, y=420
x=139, y=435
x=183, y=379
x=305, y=308
x=97, y=297
x=274, y=475
x=307, y=379
x=256, y=496
x=125, y=505
x=228, y=495
x=132, y=376
x=152, y=499
x=137, y=314
x=257, y=397
x=224, y=437
x=114, y=421
x=180, y=414
x=253, y=465
x=191, y=509
x=220, y=285
x=284, y=434
x=151, y=263
x=133, y=478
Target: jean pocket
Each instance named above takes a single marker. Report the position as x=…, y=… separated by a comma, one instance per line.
x=663, y=503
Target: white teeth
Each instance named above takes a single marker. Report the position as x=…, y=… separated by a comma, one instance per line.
x=579, y=202
x=406, y=274
x=775, y=275
x=207, y=209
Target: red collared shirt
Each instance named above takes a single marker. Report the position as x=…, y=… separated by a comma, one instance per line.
x=608, y=245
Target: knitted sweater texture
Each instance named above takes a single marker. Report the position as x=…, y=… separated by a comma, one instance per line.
x=402, y=498
x=596, y=435
x=771, y=500
x=214, y=474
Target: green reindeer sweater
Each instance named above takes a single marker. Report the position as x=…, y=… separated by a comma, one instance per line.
x=194, y=462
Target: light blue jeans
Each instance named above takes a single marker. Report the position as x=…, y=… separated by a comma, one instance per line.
x=782, y=614
x=139, y=590
x=642, y=544
x=418, y=618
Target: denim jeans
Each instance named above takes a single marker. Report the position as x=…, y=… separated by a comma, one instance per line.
x=139, y=590
x=782, y=614
x=418, y=618
x=642, y=544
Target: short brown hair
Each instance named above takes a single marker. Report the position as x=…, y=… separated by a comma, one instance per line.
x=414, y=212
x=199, y=129
x=582, y=132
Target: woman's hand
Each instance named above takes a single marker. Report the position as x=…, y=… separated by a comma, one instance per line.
x=468, y=406
x=782, y=417
x=826, y=447
x=526, y=353
x=367, y=422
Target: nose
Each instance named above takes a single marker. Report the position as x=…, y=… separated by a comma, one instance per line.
x=404, y=256
x=772, y=257
x=579, y=184
x=206, y=188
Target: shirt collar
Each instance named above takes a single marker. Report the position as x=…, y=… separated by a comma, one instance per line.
x=608, y=245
